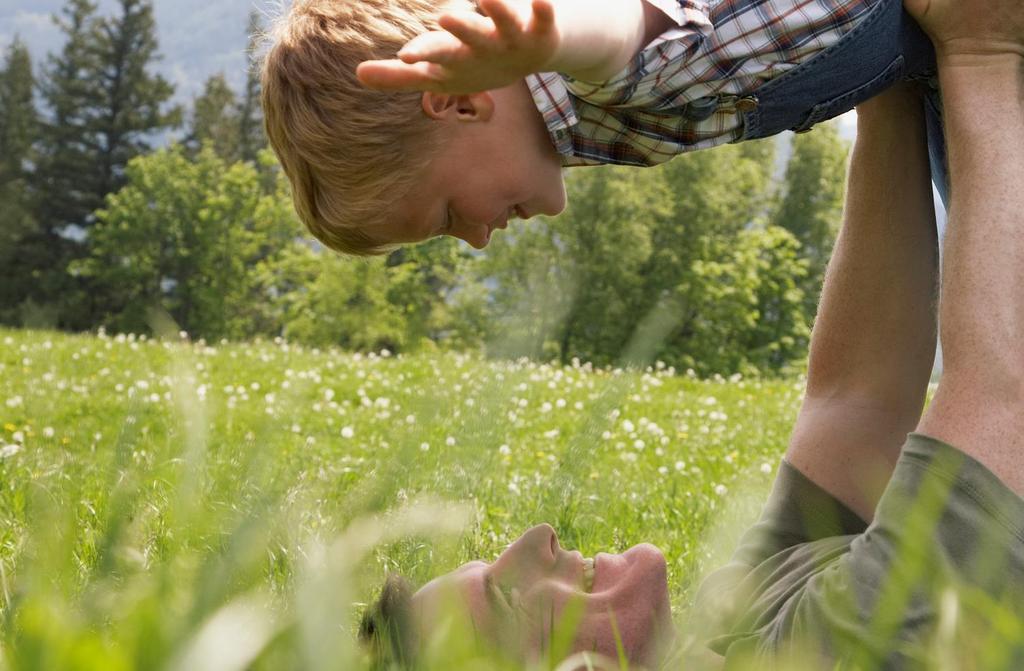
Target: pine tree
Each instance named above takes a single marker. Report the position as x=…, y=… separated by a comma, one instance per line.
x=132, y=108
x=105, y=108
x=250, y=118
x=215, y=121
x=17, y=112
x=67, y=177
x=18, y=129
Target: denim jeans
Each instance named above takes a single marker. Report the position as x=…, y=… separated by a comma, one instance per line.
x=886, y=47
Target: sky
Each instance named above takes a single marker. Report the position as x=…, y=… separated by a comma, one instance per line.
x=198, y=38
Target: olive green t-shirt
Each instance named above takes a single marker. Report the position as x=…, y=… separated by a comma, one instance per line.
x=812, y=584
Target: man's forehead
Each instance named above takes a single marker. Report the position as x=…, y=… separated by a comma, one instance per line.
x=461, y=588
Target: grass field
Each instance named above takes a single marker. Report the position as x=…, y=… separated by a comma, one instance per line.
x=150, y=482
x=226, y=506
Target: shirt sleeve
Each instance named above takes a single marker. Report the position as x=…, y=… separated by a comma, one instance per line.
x=944, y=524
x=556, y=95
x=797, y=511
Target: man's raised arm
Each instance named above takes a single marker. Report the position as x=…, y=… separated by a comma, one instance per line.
x=979, y=406
x=873, y=344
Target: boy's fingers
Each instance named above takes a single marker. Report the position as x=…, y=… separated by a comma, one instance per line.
x=473, y=29
x=503, y=15
x=395, y=75
x=543, y=15
x=437, y=47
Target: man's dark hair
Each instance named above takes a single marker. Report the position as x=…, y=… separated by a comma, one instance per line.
x=387, y=628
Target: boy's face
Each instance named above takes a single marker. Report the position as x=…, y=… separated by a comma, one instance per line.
x=496, y=163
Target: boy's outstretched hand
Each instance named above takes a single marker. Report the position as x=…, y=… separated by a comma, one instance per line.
x=473, y=53
x=968, y=30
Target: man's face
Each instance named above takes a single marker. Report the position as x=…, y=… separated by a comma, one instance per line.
x=519, y=598
x=496, y=163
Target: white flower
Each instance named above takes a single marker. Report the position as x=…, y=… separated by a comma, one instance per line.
x=560, y=403
x=627, y=426
x=545, y=407
x=680, y=465
x=578, y=405
x=721, y=490
x=18, y=437
x=8, y=451
x=328, y=395
x=663, y=470
x=505, y=450
x=607, y=435
x=296, y=428
x=348, y=432
x=15, y=402
x=450, y=441
x=425, y=447
x=766, y=468
x=48, y=432
x=639, y=444
x=410, y=419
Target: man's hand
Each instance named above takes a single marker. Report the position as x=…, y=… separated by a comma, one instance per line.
x=970, y=31
x=473, y=53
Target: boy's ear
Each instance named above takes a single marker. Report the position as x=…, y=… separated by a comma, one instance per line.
x=471, y=107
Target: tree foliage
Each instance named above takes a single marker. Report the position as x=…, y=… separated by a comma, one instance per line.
x=189, y=236
x=811, y=202
x=675, y=262
x=18, y=128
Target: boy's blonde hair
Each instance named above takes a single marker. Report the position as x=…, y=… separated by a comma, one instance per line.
x=349, y=152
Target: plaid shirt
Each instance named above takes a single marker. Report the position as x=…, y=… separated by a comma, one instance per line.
x=726, y=51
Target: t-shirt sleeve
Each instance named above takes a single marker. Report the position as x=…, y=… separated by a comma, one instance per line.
x=797, y=511
x=944, y=521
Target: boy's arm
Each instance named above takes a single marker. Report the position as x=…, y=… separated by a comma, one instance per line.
x=874, y=338
x=590, y=41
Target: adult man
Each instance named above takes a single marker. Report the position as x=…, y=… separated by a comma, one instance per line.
x=863, y=524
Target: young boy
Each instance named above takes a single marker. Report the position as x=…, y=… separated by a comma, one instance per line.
x=474, y=121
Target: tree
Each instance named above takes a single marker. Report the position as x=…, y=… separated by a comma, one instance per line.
x=133, y=106
x=190, y=236
x=214, y=121
x=18, y=133
x=811, y=202
x=105, y=108
x=252, y=138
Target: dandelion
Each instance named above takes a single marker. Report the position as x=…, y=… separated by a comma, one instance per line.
x=48, y=432
x=680, y=465
x=578, y=405
x=545, y=407
x=721, y=490
x=607, y=435
x=15, y=402
x=425, y=447
x=628, y=426
x=766, y=468
x=639, y=444
x=296, y=428
x=663, y=470
x=450, y=441
x=348, y=432
x=410, y=419
x=505, y=450
x=560, y=403
x=8, y=451
x=18, y=437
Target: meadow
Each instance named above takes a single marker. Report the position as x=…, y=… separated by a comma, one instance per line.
x=167, y=504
